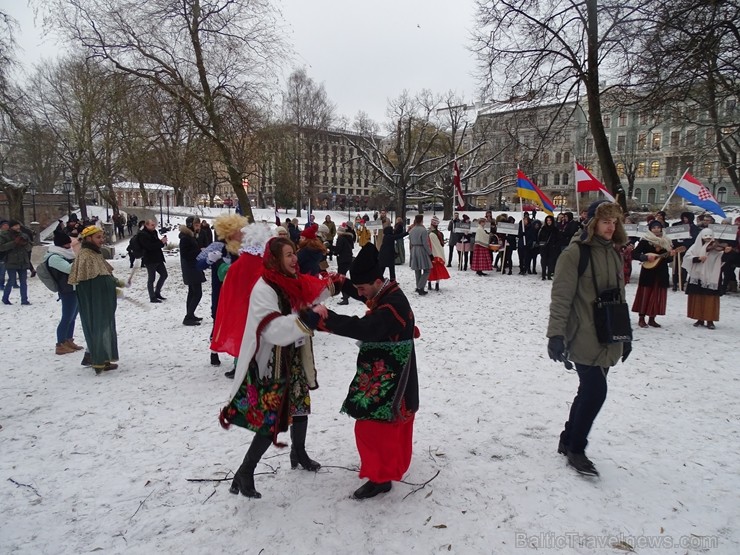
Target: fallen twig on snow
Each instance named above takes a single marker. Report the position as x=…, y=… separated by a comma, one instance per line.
x=421, y=486
x=141, y=504
x=33, y=489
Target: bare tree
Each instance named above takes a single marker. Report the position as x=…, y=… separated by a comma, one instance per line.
x=549, y=50
x=310, y=113
x=690, y=57
x=203, y=53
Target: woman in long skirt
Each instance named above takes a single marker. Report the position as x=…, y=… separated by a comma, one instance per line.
x=703, y=264
x=481, y=253
x=652, y=287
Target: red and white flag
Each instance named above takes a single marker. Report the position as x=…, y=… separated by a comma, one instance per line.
x=458, y=189
x=586, y=182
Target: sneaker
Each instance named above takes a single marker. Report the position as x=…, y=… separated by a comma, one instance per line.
x=63, y=349
x=582, y=464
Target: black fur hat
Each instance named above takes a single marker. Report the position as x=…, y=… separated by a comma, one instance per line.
x=365, y=268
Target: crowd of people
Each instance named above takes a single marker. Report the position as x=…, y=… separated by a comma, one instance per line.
x=269, y=286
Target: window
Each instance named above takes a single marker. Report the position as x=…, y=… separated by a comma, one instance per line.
x=637, y=193
x=556, y=180
x=709, y=137
x=640, y=172
x=655, y=144
x=607, y=121
x=544, y=179
x=642, y=140
x=675, y=138
x=621, y=143
x=545, y=158
x=566, y=157
x=622, y=121
x=730, y=105
x=708, y=169
x=722, y=194
x=651, y=196
x=589, y=146
x=690, y=137
x=565, y=179
x=654, y=168
x=557, y=157
x=644, y=118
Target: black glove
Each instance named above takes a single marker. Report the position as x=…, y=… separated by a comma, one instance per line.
x=626, y=350
x=556, y=348
x=431, y=257
x=309, y=318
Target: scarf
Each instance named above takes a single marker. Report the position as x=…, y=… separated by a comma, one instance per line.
x=707, y=273
x=661, y=242
x=301, y=290
x=89, y=264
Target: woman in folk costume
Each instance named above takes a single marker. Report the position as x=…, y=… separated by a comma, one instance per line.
x=437, y=241
x=95, y=286
x=481, y=253
x=652, y=286
x=275, y=370
x=703, y=263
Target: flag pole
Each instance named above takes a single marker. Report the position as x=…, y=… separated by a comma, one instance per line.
x=521, y=202
x=575, y=179
x=674, y=188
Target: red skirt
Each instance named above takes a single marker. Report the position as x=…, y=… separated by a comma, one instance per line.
x=438, y=271
x=650, y=300
x=481, y=259
x=385, y=448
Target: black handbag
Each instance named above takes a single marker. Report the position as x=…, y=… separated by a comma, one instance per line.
x=611, y=316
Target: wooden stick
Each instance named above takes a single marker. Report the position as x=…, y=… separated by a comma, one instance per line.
x=680, y=275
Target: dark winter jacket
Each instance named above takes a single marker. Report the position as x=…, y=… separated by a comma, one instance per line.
x=387, y=253
x=549, y=240
x=388, y=319
x=309, y=259
x=343, y=251
x=16, y=246
x=567, y=233
x=151, y=246
x=205, y=236
x=649, y=276
x=189, y=251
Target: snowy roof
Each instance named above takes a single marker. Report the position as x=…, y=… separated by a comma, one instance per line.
x=147, y=186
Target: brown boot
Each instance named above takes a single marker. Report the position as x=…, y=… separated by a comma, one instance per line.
x=63, y=349
x=75, y=346
x=641, y=322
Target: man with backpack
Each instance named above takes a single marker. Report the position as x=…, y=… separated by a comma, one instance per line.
x=57, y=265
x=134, y=249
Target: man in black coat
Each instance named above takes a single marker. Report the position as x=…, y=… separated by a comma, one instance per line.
x=454, y=236
x=384, y=426
x=153, y=258
x=191, y=275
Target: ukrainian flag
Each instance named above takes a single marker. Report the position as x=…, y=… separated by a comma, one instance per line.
x=528, y=190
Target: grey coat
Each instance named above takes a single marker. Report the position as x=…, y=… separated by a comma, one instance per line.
x=420, y=257
x=572, y=298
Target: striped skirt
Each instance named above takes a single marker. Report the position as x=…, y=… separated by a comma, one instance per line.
x=481, y=259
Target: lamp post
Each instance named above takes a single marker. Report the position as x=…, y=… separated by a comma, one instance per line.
x=228, y=204
x=160, y=207
x=67, y=188
x=107, y=214
x=32, y=189
x=168, y=208
x=414, y=179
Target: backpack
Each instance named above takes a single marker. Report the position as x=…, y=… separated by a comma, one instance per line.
x=44, y=274
x=134, y=247
x=585, y=257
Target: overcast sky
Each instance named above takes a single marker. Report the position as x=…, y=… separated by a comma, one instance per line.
x=363, y=52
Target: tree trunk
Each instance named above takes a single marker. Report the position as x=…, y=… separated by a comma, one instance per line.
x=593, y=95
x=15, y=202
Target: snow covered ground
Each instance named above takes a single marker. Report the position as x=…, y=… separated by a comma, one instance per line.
x=101, y=463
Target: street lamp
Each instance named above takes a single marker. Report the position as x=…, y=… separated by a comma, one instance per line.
x=160, y=207
x=32, y=189
x=168, y=208
x=67, y=188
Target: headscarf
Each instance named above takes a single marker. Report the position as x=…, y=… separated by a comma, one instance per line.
x=663, y=242
x=301, y=290
x=89, y=231
x=707, y=273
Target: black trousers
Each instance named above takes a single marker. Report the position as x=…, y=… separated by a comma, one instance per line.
x=195, y=294
x=391, y=270
x=586, y=405
x=451, y=247
x=153, y=270
x=524, y=259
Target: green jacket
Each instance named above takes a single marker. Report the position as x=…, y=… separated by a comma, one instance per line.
x=572, y=301
x=17, y=252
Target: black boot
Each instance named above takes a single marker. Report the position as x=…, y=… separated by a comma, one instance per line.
x=243, y=481
x=582, y=464
x=371, y=489
x=215, y=361
x=436, y=286
x=298, y=453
